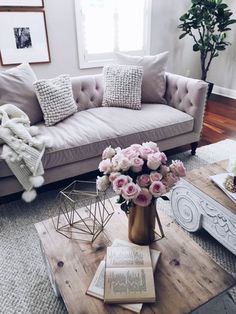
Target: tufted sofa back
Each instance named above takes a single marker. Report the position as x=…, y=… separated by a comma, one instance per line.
x=183, y=93
x=187, y=95
x=87, y=91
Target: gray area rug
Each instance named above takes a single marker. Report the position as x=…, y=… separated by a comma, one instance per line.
x=24, y=285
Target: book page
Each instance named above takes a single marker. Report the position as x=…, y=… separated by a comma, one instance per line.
x=96, y=287
x=129, y=285
x=128, y=256
x=154, y=253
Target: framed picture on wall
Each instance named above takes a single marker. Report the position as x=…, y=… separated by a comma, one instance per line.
x=23, y=37
x=22, y=3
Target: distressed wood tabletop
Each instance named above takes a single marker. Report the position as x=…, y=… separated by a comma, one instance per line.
x=185, y=279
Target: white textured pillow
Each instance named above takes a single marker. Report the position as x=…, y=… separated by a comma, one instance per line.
x=154, y=79
x=55, y=98
x=122, y=86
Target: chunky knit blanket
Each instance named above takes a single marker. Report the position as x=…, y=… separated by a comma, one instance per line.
x=23, y=149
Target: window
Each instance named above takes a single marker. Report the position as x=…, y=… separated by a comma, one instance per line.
x=107, y=26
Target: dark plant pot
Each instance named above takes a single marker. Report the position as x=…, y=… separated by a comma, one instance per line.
x=210, y=88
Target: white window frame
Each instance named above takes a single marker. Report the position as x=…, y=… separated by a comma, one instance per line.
x=94, y=61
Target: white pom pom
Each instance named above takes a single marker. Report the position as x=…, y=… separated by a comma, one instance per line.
x=12, y=159
x=38, y=143
x=34, y=130
x=29, y=196
x=36, y=181
x=48, y=141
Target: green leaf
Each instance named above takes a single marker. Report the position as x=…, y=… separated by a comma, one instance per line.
x=120, y=200
x=124, y=207
x=196, y=47
x=231, y=22
x=222, y=6
x=220, y=47
x=182, y=35
x=215, y=38
x=165, y=198
x=184, y=17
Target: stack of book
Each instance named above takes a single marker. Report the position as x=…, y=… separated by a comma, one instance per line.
x=126, y=276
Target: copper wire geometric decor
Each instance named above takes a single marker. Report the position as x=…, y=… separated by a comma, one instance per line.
x=83, y=211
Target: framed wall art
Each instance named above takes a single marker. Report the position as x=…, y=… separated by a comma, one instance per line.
x=23, y=37
x=22, y=3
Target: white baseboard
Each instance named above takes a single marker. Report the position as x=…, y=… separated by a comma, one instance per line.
x=231, y=93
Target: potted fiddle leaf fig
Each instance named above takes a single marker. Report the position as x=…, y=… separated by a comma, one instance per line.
x=207, y=22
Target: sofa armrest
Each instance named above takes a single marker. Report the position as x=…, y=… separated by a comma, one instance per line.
x=188, y=95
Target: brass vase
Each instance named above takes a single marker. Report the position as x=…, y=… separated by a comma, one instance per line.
x=141, y=224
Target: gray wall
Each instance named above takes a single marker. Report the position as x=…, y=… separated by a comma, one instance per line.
x=164, y=36
x=182, y=59
x=60, y=19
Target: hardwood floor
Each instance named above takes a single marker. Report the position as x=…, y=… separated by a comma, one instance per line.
x=219, y=122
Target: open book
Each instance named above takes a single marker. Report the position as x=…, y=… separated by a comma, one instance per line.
x=129, y=275
x=219, y=179
x=96, y=287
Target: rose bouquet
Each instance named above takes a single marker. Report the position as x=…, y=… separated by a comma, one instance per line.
x=138, y=174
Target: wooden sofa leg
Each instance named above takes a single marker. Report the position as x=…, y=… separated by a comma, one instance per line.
x=193, y=148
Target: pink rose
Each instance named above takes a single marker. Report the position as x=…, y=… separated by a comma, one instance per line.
x=143, y=199
x=155, y=176
x=169, y=180
x=144, y=180
x=151, y=145
x=157, y=188
x=120, y=182
x=154, y=161
x=105, y=166
x=177, y=167
x=102, y=183
x=145, y=152
x=115, y=161
x=136, y=147
x=113, y=176
x=124, y=163
x=108, y=152
x=163, y=158
x=164, y=170
x=130, y=153
x=136, y=164
x=130, y=191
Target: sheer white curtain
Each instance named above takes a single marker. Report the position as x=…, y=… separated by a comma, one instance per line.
x=105, y=26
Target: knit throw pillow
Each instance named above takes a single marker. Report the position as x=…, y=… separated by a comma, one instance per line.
x=154, y=79
x=122, y=86
x=55, y=98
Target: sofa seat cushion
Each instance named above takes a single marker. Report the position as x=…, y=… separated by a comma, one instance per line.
x=85, y=134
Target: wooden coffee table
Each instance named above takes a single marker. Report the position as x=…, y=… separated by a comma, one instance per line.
x=198, y=203
x=185, y=279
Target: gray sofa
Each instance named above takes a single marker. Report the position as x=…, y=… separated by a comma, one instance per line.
x=79, y=140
